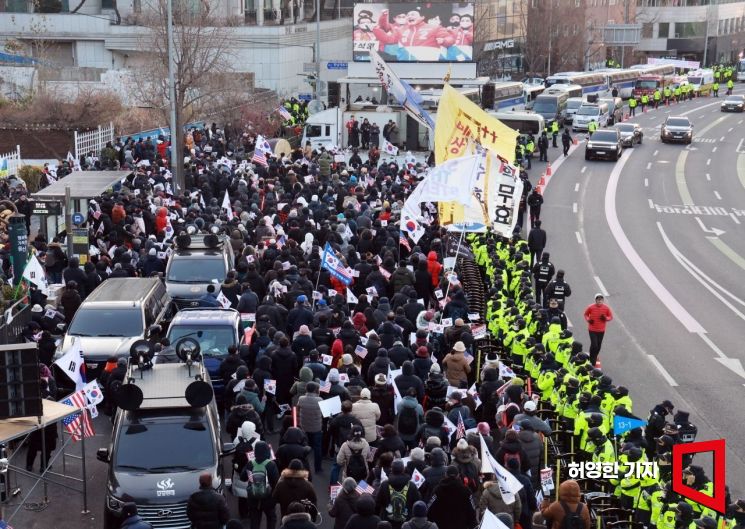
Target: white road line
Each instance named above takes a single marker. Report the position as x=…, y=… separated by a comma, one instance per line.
x=654, y=284
x=655, y=152
x=739, y=122
x=569, y=324
x=651, y=204
x=734, y=217
x=708, y=177
x=646, y=182
x=579, y=237
x=739, y=145
x=649, y=165
x=670, y=380
x=602, y=288
x=721, y=139
x=714, y=150
x=730, y=129
x=576, y=187
x=716, y=194
x=584, y=168
x=574, y=208
x=708, y=161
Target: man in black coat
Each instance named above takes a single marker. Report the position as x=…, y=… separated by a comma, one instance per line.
x=536, y=242
x=73, y=272
x=206, y=508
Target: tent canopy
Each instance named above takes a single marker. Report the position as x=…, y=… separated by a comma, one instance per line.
x=22, y=426
x=83, y=184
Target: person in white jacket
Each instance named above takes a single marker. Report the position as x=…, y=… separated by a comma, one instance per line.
x=368, y=413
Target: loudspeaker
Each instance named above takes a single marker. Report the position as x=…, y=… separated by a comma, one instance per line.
x=487, y=96
x=20, y=393
x=334, y=91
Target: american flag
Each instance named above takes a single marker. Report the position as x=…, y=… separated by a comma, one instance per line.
x=284, y=113
x=331, y=262
x=325, y=386
x=364, y=488
x=74, y=423
x=404, y=241
x=261, y=151
x=281, y=242
x=460, y=430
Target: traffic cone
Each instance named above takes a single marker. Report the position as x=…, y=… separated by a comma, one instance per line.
x=539, y=189
x=542, y=180
x=598, y=364
x=548, y=169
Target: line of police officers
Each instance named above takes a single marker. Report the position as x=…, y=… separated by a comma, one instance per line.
x=584, y=398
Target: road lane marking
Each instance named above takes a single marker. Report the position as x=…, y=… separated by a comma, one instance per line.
x=602, y=288
x=708, y=161
x=733, y=364
x=579, y=237
x=651, y=204
x=680, y=180
x=574, y=208
x=646, y=182
x=741, y=169
x=708, y=177
x=649, y=165
x=655, y=152
x=727, y=251
x=669, y=379
x=584, y=168
x=730, y=129
x=738, y=146
x=714, y=149
x=716, y=194
x=734, y=217
x=711, y=125
x=721, y=139
x=739, y=122
x=576, y=187
x=654, y=284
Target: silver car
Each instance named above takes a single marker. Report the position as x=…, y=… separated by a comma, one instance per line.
x=677, y=129
x=631, y=133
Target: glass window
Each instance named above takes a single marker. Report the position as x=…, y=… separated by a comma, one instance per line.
x=663, y=30
x=95, y=321
x=690, y=29
x=214, y=341
x=196, y=270
x=604, y=135
x=678, y=122
x=140, y=445
x=647, y=30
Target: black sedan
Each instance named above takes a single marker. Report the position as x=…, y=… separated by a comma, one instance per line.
x=604, y=143
x=631, y=133
x=733, y=103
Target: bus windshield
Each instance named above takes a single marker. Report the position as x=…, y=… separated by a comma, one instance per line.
x=543, y=106
x=646, y=85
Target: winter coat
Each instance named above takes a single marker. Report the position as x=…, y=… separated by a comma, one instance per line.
x=135, y=522
x=451, y=507
x=239, y=414
x=401, y=277
x=410, y=402
x=70, y=301
x=469, y=465
x=434, y=268
x=507, y=447
x=298, y=388
x=491, y=499
x=456, y=368
x=421, y=368
x=293, y=446
x=345, y=454
x=300, y=520
x=365, y=518
x=293, y=485
x=383, y=397
x=569, y=493
x=533, y=448
x=207, y=509
x=436, y=389
x=408, y=380
x=310, y=418
x=397, y=482
x=368, y=414
x=434, y=473
x=344, y=508
x=284, y=369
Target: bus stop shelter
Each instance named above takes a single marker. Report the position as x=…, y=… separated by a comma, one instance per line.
x=49, y=203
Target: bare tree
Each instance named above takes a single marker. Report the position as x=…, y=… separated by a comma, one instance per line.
x=203, y=64
x=555, y=36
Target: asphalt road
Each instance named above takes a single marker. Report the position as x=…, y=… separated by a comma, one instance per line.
x=671, y=274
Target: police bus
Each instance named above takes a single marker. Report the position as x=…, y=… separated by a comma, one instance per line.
x=532, y=91
x=523, y=122
x=622, y=80
x=509, y=95
x=741, y=70
x=591, y=82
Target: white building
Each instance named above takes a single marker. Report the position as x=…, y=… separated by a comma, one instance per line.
x=89, y=49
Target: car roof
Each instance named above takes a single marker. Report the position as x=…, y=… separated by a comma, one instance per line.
x=129, y=291
x=677, y=117
x=214, y=316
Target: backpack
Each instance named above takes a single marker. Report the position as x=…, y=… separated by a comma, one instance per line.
x=510, y=456
x=259, y=487
x=397, y=510
x=408, y=421
x=571, y=519
x=357, y=466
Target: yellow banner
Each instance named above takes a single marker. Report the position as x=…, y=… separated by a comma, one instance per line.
x=460, y=124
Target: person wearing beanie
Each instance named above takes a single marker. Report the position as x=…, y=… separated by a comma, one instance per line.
x=340, y=429
x=422, y=362
x=297, y=517
x=398, y=483
x=409, y=416
x=336, y=389
x=416, y=462
x=382, y=394
x=310, y=420
x=345, y=504
x=380, y=366
x=529, y=415
x=207, y=508
x=435, y=388
x=409, y=380
x=293, y=486
x=451, y=505
x=365, y=517
x=353, y=455
x=254, y=507
x=303, y=344
x=419, y=518
x=368, y=413
x=482, y=430
x=434, y=472
x=132, y=520
x=569, y=499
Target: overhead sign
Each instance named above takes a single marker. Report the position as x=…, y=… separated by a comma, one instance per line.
x=504, y=44
x=305, y=97
x=42, y=207
x=337, y=65
x=622, y=34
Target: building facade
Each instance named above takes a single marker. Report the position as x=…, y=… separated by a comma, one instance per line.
x=690, y=29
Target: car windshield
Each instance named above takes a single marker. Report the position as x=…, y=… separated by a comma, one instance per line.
x=625, y=128
x=573, y=105
x=678, y=122
x=604, y=135
x=588, y=111
x=544, y=107
x=196, y=270
x=646, y=85
x=90, y=321
x=141, y=446
x=214, y=341
x=734, y=99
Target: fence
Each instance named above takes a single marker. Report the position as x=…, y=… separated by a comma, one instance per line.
x=93, y=140
x=10, y=162
x=19, y=315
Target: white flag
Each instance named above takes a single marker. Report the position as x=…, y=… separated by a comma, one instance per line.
x=491, y=521
x=93, y=393
x=168, y=230
x=508, y=484
x=71, y=363
x=227, y=206
x=389, y=148
x=351, y=298
x=505, y=371
x=35, y=273
x=224, y=301
x=397, y=398
x=451, y=181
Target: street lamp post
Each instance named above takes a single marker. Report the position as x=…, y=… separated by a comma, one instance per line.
x=318, y=49
x=176, y=164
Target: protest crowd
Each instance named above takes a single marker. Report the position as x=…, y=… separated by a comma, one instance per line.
x=428, y=383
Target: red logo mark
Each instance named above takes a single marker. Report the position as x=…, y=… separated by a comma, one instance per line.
x=717, y=502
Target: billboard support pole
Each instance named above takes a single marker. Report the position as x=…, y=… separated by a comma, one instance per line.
x=318, y=49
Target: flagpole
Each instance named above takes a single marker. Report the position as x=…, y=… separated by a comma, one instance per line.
x=457, y=251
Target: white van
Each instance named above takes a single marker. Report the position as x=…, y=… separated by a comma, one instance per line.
x=573, y=104
x=597, y=112
x=523, y=122
x=701, y=81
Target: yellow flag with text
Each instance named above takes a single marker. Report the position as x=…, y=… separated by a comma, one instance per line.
x=460, y=125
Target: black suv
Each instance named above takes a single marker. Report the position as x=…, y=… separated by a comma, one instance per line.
x=604, y=143
x=677, y=129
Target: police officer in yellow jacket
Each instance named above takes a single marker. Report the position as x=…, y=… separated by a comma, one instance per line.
x=684, y=516
x=694, y=477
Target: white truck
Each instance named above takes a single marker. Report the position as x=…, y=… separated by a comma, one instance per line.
x=328, y=127
x=701, y=80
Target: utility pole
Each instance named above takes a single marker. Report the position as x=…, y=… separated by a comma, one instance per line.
x=550, y=35
x=625, y=21
x=177, y=169
x=706, y=38
x=318, y=49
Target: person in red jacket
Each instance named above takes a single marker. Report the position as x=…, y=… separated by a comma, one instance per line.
x=597, y=315
x=434, y=267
